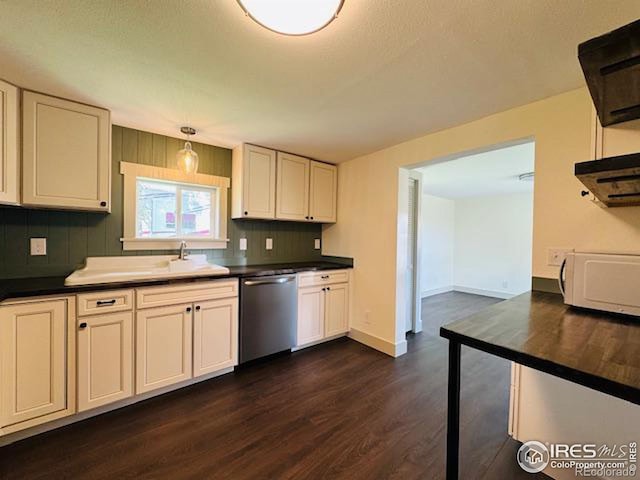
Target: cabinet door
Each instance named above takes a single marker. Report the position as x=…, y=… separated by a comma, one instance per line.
x=163, y=346
x=105, y=359
x=66, y=154
x=9, y=139
x=259, y=182
x=323, y=192
x=33, y=361
x=215, y=336
x=336, y=309
x=311, y=307
x=292, y=197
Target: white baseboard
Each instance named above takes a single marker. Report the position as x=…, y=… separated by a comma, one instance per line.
x=380, y=344
x=436, y=291
x=486, y=293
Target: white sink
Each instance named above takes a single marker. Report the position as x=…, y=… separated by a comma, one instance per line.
x=129, y=268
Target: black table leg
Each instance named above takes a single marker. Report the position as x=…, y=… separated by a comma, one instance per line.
x=453, y=411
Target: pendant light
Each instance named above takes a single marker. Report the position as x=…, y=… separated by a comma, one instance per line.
x=292, y=17
x=187, y=157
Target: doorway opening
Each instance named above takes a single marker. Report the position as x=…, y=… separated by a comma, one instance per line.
x=470, y=234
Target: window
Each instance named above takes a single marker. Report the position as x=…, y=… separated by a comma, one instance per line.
x=162, y=207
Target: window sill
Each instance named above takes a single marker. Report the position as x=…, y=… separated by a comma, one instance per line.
x=173, y=243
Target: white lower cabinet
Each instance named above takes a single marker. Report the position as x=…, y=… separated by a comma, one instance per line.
x=215, y=336
x=105, y=359
x=336, y=309
x=323, y=309
x=163, y=346
x=310, y=315
x=37, y=363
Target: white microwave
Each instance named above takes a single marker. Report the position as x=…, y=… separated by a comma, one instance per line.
x=602, y=281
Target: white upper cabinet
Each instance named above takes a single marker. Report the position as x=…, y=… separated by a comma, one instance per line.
x=253, y=191
x=292, y=193
x=9, y=145
x=323, y=193
x=282, y=186
x=66, y=154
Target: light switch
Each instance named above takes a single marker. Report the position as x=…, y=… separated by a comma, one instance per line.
x=38, y=246
x=269, y=244
x=243, y=244
x=316, y=244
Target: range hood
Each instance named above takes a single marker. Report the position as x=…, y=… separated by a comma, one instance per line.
x=611, y=66
x=615, y=181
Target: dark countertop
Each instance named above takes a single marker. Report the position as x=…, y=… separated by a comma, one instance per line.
x=594, y=349
x=31, y=287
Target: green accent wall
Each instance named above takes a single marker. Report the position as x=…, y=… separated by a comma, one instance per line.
x=73, y=236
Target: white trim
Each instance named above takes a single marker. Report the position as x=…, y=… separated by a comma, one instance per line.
x=172, y=244
x=377, y=343
x=416, y=322
x=486, y=293
x=436, y=291
x=133, y=171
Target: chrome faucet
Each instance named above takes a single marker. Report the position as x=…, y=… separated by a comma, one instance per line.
x=183, y=246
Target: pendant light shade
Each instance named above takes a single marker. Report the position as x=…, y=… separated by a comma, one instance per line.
x=187, y=158
x=292, y=17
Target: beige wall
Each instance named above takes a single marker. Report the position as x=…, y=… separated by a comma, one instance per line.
x=367, y=227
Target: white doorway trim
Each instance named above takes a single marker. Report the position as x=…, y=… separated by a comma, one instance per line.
x=416, y=321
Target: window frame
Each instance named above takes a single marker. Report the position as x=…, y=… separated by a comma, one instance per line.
x=218, y=186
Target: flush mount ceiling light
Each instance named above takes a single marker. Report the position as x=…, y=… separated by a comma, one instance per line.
x=187, y=158
x=292, y=17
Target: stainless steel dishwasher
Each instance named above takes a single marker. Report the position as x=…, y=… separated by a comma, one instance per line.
x=268, y=311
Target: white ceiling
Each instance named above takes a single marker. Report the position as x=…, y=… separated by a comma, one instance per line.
x=490, y=173
x=383, y=72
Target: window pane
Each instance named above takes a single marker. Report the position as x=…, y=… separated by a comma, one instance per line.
x=156, y=206
x=196, y=213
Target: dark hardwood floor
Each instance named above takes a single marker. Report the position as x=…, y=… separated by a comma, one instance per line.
x=339, y=410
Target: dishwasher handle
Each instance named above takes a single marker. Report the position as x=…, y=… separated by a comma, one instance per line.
x=269, y=281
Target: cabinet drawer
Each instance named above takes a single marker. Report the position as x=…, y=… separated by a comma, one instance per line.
x=105, y=302
x=193, y=292
x=326, y=277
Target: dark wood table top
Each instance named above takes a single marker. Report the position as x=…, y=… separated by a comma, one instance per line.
x=595, y=349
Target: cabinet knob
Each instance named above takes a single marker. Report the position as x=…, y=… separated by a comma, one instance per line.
x=246, y=213
x=197, y=308
x=188, y=309
x=103, y=204
x=307, y=217
x=311, y=218
x=324, y=289
x=83, y=325
x=328, y=288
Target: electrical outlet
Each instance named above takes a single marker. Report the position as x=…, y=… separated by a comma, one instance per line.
x=269, y=244
x=38, y=246
x=243, y=244
x=555, y=256
x=316, y=244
